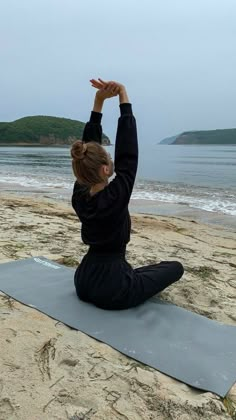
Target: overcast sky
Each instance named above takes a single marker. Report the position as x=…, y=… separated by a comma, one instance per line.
x=176, y=57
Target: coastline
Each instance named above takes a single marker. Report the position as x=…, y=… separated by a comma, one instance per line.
x=37, y=226
x=137, y=206
x=160, y=208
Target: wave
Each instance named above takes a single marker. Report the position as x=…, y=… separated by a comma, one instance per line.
x=210, y=202
x=203, y=198
x=26, y=181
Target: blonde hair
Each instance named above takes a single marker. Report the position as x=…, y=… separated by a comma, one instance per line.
x=87, y=159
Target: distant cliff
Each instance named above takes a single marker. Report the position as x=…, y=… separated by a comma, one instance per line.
x=168, y=140
x=42, y=131
x=227, y=136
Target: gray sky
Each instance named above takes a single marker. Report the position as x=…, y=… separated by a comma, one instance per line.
x=176, y=57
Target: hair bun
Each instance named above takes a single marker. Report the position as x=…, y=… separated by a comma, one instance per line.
x=78, y=150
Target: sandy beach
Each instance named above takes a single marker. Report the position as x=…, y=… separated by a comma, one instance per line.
x=49, y=371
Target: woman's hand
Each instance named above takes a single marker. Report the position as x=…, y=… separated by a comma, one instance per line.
x=119, y=85
x=107, y=92
x=107, y=89
x=103, y=92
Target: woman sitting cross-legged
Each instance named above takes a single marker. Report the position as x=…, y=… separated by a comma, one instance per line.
x=104, y=277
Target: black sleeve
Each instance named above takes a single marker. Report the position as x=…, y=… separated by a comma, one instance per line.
x=93, y=128
x=117, y=193
x=92, y=132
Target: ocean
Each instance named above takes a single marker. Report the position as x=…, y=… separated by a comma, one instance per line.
x=184, y=180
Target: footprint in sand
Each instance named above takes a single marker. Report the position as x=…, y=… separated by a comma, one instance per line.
x=6, y=408
x=10, y=332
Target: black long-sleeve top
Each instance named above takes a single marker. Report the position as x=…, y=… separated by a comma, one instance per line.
x=104, y=216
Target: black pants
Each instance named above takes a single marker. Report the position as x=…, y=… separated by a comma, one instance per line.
x=110, y=282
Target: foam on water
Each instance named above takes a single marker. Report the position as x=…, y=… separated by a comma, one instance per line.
x=27, y=181
x=207, y=203
x=199, y=198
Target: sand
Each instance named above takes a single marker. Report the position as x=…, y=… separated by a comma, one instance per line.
x=49, y=371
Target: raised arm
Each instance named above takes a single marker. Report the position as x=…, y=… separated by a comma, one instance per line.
x=117, y=193
x=126, y=153
x=93, y=128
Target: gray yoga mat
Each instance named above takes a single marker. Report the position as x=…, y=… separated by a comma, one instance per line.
x=179, y=343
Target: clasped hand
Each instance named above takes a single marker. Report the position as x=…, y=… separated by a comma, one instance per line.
x=106, y=89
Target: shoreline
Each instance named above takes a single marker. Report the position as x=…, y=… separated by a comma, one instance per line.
x=41, y=359
x=160, y=208
x=136, y=206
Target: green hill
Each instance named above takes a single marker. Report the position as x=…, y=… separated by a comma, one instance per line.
x=227, y=136
x=42, y=131
x=168, y=140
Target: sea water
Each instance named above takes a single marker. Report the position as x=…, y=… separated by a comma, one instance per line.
x=169, y=178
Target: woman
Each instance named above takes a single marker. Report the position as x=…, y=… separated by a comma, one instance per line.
x=104, y=277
